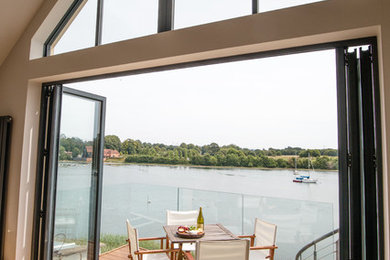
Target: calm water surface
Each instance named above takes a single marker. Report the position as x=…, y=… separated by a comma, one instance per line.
x=233, y=197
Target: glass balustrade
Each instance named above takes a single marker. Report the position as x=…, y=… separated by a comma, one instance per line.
x=144, y=204
x=299, y=222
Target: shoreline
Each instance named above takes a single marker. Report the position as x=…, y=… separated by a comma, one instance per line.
x=202, y=166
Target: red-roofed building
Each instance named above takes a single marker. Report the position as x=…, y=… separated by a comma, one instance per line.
x=88, y=151
x=110, y=153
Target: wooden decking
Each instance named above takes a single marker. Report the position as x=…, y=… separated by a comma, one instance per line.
x=120, y=253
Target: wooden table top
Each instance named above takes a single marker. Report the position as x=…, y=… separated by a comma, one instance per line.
x=212, y=232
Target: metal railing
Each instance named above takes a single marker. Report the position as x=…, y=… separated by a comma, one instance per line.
x=321, y=251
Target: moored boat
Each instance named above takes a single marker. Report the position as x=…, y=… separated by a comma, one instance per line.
x=305, y=178
x=296, y=172
x=309, y=180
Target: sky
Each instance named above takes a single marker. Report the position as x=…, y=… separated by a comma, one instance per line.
x=126, y=19
x=271, y=102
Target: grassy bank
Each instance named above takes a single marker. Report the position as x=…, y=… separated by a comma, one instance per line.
x=112, y=241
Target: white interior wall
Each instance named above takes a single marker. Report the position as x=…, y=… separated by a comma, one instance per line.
x=21, y=78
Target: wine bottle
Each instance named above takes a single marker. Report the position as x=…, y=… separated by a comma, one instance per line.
x=200, y=222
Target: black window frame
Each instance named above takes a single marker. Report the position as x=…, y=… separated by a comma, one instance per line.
x=166, y=10
x=348, y=234
x=5, y=139
x=47, y=171
x=166, y=13
x=165, y=21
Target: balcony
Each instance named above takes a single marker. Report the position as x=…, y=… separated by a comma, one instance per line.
x=298, y=221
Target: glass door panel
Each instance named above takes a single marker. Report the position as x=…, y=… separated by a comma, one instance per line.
x=77, y=192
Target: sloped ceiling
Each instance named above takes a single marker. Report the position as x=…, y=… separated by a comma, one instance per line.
x=14, y=18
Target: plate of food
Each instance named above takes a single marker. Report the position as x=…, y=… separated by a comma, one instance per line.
x=189, y=232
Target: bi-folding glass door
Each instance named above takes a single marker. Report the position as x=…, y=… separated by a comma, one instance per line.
x=70, y=197
x=361, y=223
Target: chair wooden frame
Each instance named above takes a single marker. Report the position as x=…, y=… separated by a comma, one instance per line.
x=252, y=247
x=143, y=251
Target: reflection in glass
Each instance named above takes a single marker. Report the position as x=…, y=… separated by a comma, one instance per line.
x=270, y=5
x=196, y=12
x=74, y=204
x=80, y=32
x=123, y=19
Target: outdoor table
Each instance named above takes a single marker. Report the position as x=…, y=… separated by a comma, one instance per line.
x=212, y=232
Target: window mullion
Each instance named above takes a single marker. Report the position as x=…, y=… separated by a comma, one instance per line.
x=355, y=147
x=165, y=15
x=255, y=6
x=344, y=216
x=99, y=23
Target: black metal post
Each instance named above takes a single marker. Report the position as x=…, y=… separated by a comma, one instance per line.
x=165, y=15
x=39, y=219
x=255, y=6
x=5, y=136
x=99, y=23
x=343, y=153
x=378, y=148
x=354, y=147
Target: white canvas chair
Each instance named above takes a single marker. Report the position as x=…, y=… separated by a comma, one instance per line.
x=262, y=241
x=183, y=218
x=137, y=253
x=221, y=250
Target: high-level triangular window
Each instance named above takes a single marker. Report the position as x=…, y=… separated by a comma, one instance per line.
x=90, y=23
x=79, y=32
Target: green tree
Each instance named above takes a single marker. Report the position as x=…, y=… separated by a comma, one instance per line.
x=329, y=152
x=282, y=163
x=197, y=159
x=62, y=154
x=221, y=159
x=232, y=160
x=310, y=152
x=321, y=162
x=112, y=142
x=130, y=146
x=269, y=162
x=75, y=152
x=211, y=149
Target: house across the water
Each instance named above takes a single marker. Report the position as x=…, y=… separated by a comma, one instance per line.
x=108, y=153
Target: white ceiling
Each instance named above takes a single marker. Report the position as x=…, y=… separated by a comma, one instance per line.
x=14, y=18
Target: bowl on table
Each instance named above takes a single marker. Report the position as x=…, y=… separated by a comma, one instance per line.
x=189, y=232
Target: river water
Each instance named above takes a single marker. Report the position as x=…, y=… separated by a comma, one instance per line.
x=233, y=197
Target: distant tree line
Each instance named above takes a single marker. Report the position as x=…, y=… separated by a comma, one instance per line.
x=212, y=154
x=71, y=147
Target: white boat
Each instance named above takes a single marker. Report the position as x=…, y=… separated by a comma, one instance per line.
x=306, y=178
x=309, y=180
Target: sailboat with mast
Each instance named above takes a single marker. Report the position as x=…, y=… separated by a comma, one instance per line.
x=296, y=168
x=306, y=178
